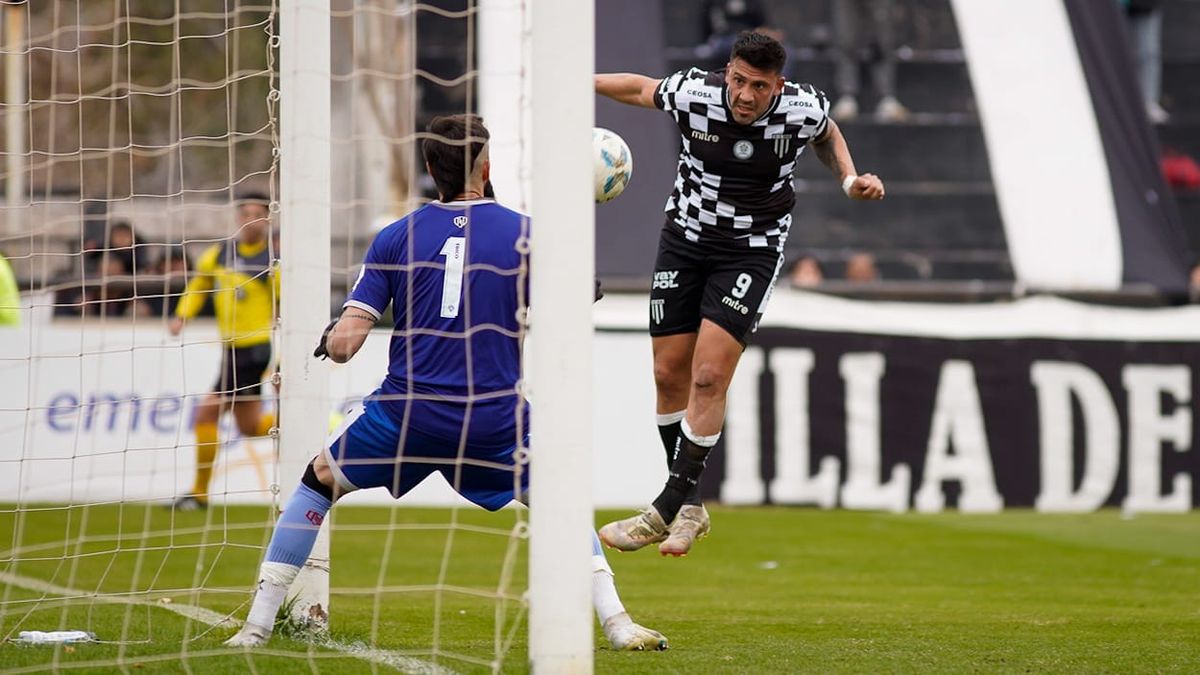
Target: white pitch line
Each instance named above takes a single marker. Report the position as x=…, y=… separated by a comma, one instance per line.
x=383, y=657
x=206, y=616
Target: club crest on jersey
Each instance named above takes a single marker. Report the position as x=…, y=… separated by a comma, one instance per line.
x=460, y=221
x=743, y=149
x=783, y=142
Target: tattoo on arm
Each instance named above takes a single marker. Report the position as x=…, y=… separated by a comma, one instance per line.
x=359, y=315
x=827, y=153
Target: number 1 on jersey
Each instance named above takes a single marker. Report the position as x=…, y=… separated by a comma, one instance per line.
x=454, y=250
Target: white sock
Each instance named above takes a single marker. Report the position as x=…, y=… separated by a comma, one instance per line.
x=604, y=596
x=663, y=419
x=702, y=441
x=274, y=580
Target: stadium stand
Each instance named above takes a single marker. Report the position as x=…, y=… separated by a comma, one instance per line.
x=1181, y=94
x=941, y=220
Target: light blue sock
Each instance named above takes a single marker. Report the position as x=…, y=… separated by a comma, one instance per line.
x=604, y=590
x=599, y=562
x=297, y=527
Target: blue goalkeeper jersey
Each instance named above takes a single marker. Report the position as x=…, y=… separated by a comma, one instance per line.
x=457, y=281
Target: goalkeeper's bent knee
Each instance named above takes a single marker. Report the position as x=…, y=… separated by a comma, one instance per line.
x=313, y=483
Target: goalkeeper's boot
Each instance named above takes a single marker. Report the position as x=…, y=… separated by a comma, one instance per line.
x=189, y=503
x=635, y=532
x=691, y=524
x=625, y=635
x=249, y=636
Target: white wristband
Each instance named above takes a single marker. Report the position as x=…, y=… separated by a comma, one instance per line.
x=847, y=183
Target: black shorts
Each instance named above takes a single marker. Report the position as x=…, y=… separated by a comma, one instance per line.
x=242, y=370
x=694, y=281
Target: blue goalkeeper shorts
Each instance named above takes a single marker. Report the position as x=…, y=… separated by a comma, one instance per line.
x=368, y=450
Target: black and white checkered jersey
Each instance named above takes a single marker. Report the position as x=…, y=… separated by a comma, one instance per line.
x=735, y=181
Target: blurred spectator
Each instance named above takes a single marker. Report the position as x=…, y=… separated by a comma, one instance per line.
x=172, y=267
x=806, y=272
x=109, y=289
x=863, y=35
x=860, y=267
x=1145, y=29
x=10, y=295
x=109, y=272
x=724, y=20
x=1194, y=283
x=121, y=242
x=101, y=280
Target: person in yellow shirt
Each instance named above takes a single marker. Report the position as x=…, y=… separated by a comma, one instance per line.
x=238, y=274
x=10, y=295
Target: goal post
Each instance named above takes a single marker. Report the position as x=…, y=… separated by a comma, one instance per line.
x=16, y=192
x=560, y=362
x=305, y=202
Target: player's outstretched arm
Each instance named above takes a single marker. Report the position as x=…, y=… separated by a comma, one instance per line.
x=629, y=88
x=834, y=153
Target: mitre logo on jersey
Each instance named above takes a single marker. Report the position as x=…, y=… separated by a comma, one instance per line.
x=783, y=142
x=743, y=149
x=707, y=138
x=665, y=280
x=460, y=221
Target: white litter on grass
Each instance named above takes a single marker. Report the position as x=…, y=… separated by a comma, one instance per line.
x=53, y=637
x=768, y=565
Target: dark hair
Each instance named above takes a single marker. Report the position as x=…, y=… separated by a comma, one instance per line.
x=761, y=51
x=252, y=197
x=456, y=142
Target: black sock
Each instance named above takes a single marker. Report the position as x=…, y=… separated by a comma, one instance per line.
x=684, y=478
x=670, y=435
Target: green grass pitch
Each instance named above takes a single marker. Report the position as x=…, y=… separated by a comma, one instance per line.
x=773, y=590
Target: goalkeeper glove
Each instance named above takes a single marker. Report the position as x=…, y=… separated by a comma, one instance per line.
x=322, y=350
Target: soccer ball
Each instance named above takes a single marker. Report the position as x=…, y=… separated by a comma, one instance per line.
x=614, y=164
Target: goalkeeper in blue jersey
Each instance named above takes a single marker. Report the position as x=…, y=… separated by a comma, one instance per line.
x=456, y=275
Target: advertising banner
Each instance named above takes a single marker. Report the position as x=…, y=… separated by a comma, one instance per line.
x=1038, y=403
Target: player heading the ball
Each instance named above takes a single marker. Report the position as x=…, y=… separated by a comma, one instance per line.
x=743, y=129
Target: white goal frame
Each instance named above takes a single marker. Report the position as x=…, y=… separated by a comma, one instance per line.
x=306, y=201
x=560, y=362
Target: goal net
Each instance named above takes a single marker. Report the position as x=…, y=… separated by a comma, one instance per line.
x=187, y=160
